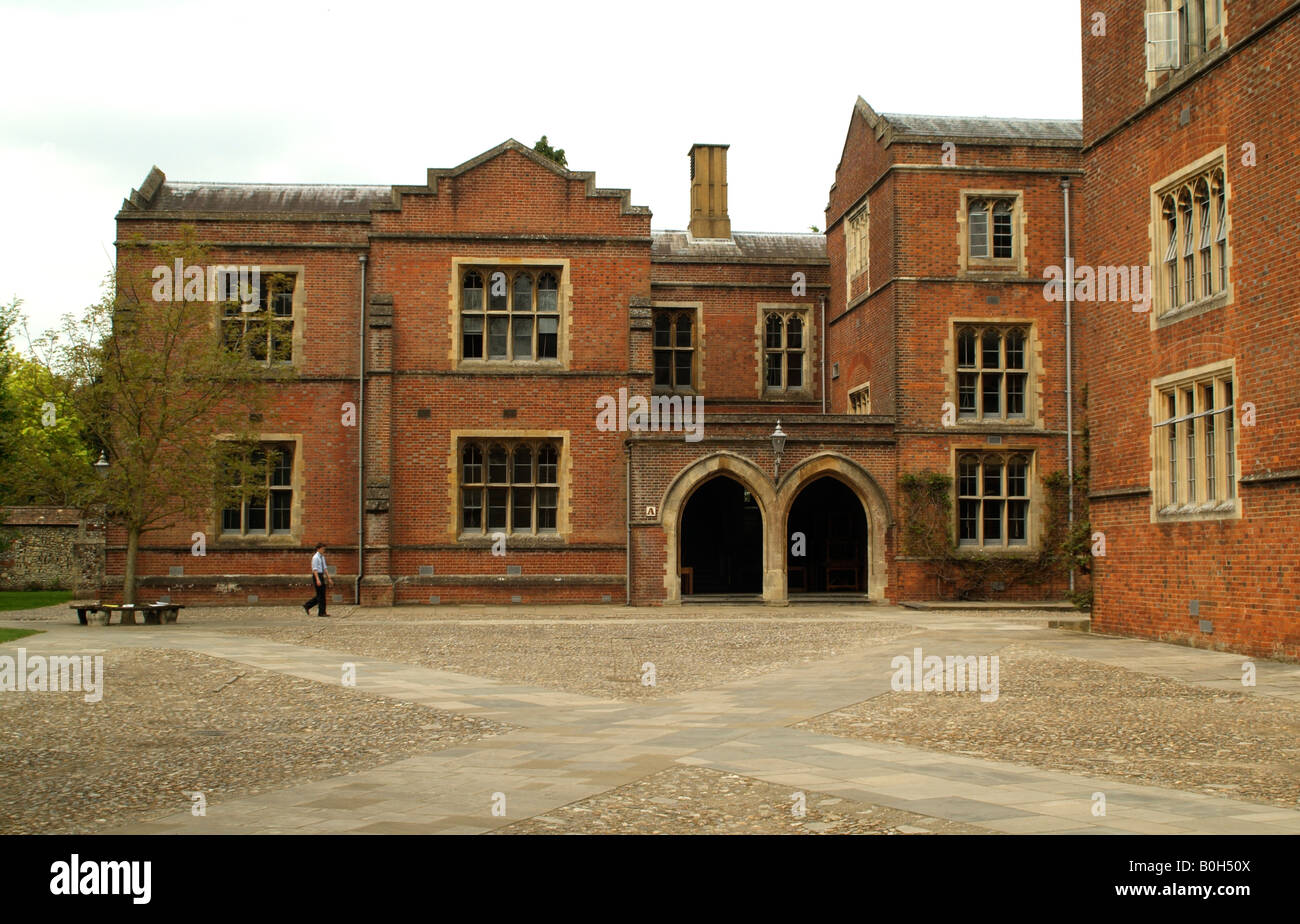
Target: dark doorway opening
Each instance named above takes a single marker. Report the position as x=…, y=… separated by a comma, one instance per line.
x=722, y=540
x=827, y=523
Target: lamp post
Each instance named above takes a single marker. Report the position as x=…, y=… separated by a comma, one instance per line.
x=101, y=466
x=778, y=447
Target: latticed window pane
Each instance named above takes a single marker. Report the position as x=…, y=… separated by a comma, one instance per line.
x=1015, y=395
x=794, y=334
x=663, y=330
x=991, y=352
x=522, y=509
x=992, y=394
x=256, y=517
x=472, y=509
x=547, y=465
x=794, y=369
x=774, y=329
x=472, y=292
x=496, y=467
x=992, y=521
x=978, y=225
x=281, y=508
x=966, y=348
x=1211, y=425
x=548, y=337
x=523, y=473
x=1015, y=344
x=966, y=387
x=523, y=292
x=969, y=521
x=1017, y=522
x=496, y=507
x=546, y=508
x=523, y=345
x=682, y=371
x=472, y=465
x=664, y=368
x=498, y=292
x=684, y=330
x=992, y=481
x=969, y=477
x=774, y=370
x=498, y=337
x=472, y=336
x=1017, y=477
x=1002, y=241
x=548, y=293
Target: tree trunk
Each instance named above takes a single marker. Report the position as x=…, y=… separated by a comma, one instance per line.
x=132, y=549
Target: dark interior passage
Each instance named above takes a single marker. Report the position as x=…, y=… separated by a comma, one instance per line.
x=722, y=540
x=834, y=540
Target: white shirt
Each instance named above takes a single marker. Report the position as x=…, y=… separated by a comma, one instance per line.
x=318, y=563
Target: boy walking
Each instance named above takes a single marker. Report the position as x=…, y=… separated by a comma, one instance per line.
x=320, y=577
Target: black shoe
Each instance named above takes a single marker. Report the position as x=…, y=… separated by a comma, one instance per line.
x=323, y=615
x=306, y=608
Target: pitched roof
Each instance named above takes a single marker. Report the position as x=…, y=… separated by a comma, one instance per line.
x=742, y=247
x=159, y=195
x=907, y=125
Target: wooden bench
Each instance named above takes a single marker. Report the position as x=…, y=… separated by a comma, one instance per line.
x=154, y=613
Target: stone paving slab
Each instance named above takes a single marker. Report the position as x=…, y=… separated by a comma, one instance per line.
x=570, y=747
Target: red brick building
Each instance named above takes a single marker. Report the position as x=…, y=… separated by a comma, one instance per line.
x=560, y=404
x=1189, y=149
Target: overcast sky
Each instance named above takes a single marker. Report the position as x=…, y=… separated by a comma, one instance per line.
x=95, y=92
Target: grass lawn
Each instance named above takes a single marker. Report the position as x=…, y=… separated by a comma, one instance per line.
x=9, y=635
x=31, y=599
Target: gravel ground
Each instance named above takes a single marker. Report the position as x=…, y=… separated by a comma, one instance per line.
x=1069, y=714
x=172, y=721
x=697, y=800
x=594, y=658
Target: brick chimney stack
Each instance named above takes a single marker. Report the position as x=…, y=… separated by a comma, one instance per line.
x=709, y=191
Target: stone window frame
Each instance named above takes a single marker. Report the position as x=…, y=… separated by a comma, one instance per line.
x=1166, y=197
x=859, y=399
x=298, y=313
x=857, y=249
x=455, y=529
x=804, y=391
x=534, y=265
x=1201, y=38
x=1033, y=497
x=1194, y=428
x=294, y=537
x=1018, y=263
x=696, y=312
x=1033, y=369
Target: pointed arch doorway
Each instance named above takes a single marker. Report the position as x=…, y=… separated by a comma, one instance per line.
x=721, y=540
x=828, y=544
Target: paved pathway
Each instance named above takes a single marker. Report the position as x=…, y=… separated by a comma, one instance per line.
x=569, y=747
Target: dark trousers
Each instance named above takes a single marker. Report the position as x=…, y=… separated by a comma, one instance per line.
x=318, y=601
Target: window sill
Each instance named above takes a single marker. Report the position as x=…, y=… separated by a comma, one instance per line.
x=276, y=540
x=1024, y=422
x=987, y=551
x=514, y=540
x=1212, y=510
x=510, y=366
x=1192, y=309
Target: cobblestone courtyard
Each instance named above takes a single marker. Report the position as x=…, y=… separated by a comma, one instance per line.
x=617, y=720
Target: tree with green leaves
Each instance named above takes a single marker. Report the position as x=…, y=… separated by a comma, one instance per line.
x=49, y=460
x=165, y=385
x=544, y=148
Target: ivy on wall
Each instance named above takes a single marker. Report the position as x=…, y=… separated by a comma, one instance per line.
x=970, y=573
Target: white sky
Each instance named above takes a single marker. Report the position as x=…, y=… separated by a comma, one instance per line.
x=94, y=93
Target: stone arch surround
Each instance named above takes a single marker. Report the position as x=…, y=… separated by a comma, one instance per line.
x=774, y=502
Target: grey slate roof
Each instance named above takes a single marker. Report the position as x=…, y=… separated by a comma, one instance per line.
x=267, y=197
x=949, y=127
x=744, y=247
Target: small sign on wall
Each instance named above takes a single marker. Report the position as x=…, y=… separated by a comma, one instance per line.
x=651, y=510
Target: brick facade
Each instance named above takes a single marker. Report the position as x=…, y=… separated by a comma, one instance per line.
x=1172, y=571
